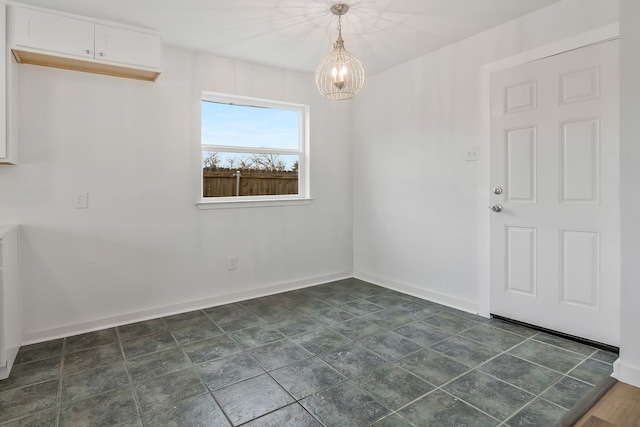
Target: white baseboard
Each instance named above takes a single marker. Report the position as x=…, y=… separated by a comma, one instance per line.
x=95, y=325
x=626, y=373
x=437, y=297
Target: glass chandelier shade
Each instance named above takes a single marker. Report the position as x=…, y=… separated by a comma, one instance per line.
x=340, y=75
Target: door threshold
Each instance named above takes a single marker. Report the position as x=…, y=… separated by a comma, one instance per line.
x=596, y=344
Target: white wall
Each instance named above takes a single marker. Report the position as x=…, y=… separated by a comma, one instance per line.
x=420, y=210
x=627, y=368
x=142, y=248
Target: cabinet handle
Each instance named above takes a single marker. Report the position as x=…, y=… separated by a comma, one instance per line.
x=100, y=53
x=87, y=51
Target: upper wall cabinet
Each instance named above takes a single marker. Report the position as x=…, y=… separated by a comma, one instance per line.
x=65, y=41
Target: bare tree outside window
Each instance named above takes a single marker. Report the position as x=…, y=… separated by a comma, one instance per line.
x=210, y=160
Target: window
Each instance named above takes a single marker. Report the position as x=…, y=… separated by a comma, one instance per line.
x=253, y=149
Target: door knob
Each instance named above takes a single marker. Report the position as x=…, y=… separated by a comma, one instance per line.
x=496, y=208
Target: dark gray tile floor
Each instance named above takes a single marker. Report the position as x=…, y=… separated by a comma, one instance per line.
x=347, y=353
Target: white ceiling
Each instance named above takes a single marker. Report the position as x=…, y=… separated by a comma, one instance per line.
x=295, y=34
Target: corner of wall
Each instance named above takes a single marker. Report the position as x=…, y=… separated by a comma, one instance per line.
x=439, y=298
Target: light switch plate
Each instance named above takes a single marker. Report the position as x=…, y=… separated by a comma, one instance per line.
x=472, y=154
x=81, y=200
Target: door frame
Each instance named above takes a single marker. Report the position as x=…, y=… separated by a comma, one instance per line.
x=599, y=35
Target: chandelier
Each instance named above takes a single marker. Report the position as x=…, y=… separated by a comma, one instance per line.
x=340, y=75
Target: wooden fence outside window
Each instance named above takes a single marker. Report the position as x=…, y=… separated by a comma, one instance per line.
x=222, y=183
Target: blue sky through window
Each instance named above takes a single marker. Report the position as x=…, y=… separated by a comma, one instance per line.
x=250, y=127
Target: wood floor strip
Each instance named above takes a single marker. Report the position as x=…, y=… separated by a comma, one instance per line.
x=593, y=421
x=620, y=407
x=587, y=402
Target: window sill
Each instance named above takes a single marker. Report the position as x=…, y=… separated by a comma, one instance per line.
x=250, y=203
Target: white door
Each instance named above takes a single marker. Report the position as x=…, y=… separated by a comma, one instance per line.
x=555, y=245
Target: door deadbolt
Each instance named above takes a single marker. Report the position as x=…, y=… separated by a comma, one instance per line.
x=497, y=190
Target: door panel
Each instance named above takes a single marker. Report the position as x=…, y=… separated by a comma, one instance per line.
x=521, y=165
x=521, y=260
x=580, y=281
x=520, y=97
x=580, y=85
x=554, y=152
x=580, y=161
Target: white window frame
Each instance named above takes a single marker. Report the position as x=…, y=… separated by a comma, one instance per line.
x=303, y=196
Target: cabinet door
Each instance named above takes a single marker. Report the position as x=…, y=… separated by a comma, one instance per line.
x=53, y=33
x=124, y=46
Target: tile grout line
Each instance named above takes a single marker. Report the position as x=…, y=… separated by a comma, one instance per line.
x=192, y=365
x=129, y=376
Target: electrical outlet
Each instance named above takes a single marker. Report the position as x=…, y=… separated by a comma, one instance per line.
x=232, y=262
x=472, y=154
x=81, y=200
